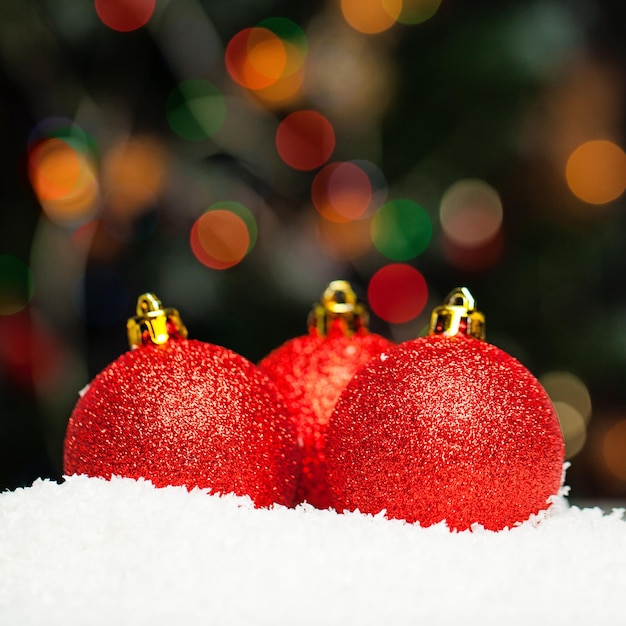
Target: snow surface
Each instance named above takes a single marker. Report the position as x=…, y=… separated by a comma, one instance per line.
x=92, y=552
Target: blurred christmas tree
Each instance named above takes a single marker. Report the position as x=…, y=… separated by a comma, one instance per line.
x=235, y=157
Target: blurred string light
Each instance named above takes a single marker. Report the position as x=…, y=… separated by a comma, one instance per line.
x=195, y=109
x=401, y=229
x=371, y=16
x=63, y=175
x=596, y=172
x=222, y=236
x=124, y=15
x=305, y=140
x=471, y=218
x=16, y=285
x=572, y=402
x=397, y=293
x=268, y=59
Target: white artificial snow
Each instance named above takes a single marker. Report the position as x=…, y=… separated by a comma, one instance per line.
x=91, y=552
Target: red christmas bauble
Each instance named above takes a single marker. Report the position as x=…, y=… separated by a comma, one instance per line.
x=310, y=373
x=185, y=412
x=445, y=428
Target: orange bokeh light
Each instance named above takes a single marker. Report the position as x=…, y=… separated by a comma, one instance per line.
x=219, y=239
x=614, y=449
x=64, y=180
x=255, y=58
x=596, y=172
x=371, y=16
x=133, y=175
x=54, y=168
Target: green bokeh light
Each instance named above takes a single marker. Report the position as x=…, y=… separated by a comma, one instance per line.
x=401, y=230
x=240, y=211
x=287, y=30
x=195, y=110
x=16, y=285
x=418, y=11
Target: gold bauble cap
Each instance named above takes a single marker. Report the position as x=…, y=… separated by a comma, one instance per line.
x=161, y=324
x=458, y=316
x=338, y=302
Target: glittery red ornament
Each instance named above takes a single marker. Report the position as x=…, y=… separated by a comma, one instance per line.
x=311, y=372
x=183, y=412
x=445, y=427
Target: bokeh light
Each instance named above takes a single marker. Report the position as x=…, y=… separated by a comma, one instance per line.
x=255, y=57
x=378, y=183
x=268, y=59
x=573, y=428
x=221, y=237
x=124, y=15
x=16, y=285
x=292, y=36
x=244, y=213
x=305, y=140
x=133, y=174
x=596, y=172
x=30, y=352
x=470, y=213
x=101, y=296
x=345, y=240
x=371, y=16
x=344, y=71
x=195, y=109
x=614, y=449
x=341, y=192
x=60, y=127
x=566, y=387
x=63, y=177
x=397, y=293
x=417, y=11
x=572, y=402
x=401, y=229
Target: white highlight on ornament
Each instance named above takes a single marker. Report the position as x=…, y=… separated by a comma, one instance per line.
x=90, y=551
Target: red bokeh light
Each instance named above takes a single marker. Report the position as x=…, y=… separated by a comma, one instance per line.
x=397, y=293
x=305, y=140
x=124, y=15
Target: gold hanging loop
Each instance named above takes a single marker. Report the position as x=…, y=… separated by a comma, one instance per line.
x=154, y=322
x=338, y=303
x=458, y=316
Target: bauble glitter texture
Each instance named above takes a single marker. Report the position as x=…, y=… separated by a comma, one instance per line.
x=183, y=412
x=311, y=371
x=445, y=427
